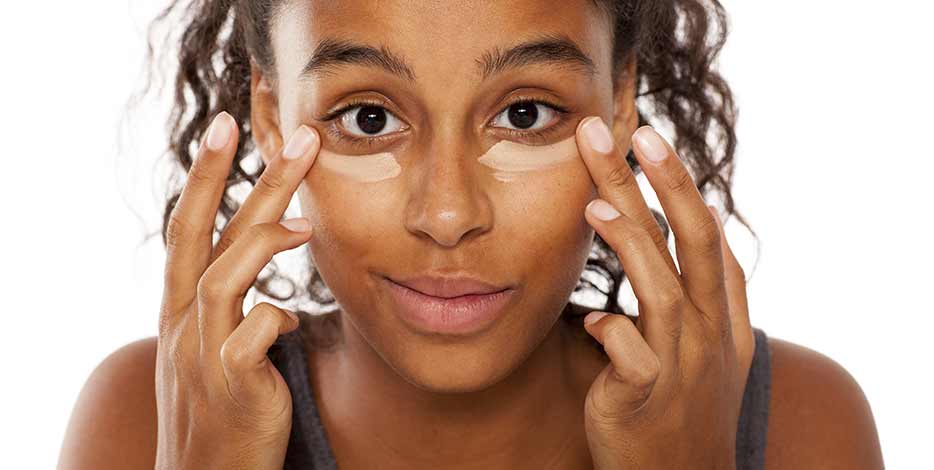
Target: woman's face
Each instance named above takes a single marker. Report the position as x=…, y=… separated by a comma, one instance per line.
x=407, y=183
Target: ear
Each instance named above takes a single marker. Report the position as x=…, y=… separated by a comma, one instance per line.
x=264, y=114
x=625, y=113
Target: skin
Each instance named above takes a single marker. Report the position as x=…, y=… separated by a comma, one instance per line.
x=502, y=399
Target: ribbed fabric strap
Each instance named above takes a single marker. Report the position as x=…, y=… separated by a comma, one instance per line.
x=754, y=414
x=308, y=447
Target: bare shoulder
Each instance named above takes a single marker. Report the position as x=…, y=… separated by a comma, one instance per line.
x=818, y=416
x=113, y=424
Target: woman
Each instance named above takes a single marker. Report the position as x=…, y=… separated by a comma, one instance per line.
x=459, y=165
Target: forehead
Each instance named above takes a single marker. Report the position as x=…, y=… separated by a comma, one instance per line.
x=437, y=39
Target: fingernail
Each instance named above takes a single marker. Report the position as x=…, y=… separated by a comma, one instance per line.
x=299, y=143
x=598, y=135
x=651, y=144
x=298, y=224
x=602, y=210
x=219, y=132
x=593, y=317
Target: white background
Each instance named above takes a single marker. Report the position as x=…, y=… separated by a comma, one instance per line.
x=833, y=171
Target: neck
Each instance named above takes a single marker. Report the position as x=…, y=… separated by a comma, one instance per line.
x=533, y=418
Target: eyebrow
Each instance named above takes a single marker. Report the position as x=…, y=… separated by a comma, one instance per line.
x=559, y=50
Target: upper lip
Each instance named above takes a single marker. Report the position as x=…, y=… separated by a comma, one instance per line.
x=449, y=286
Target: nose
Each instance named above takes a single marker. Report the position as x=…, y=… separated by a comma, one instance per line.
x=447, y=201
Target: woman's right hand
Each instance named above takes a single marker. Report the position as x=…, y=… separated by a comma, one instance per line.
x=221, y=403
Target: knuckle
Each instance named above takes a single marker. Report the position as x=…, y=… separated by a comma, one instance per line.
x=707, y=234
x=233, y=358
x=642, y=377
x=620, y=176
x=680, y=181
x=200, y=175
x=270, y=182
x=210, y=289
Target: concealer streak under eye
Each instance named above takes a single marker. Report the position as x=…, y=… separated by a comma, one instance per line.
x=510, y=159
x=363, y=168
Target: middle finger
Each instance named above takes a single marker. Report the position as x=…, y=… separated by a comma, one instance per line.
x=697, y=239
x=273, y=192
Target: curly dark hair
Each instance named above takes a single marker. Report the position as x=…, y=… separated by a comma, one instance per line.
x=676, y=83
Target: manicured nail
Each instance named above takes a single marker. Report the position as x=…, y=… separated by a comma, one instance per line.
x=598, y=135
x=219, y=132
x=299, y=143
x=651, y=144
x=593, y=317
x=298, y=224
x=602, y=210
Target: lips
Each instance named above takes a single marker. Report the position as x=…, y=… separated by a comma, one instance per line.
x=448, y=287
x=450, y=306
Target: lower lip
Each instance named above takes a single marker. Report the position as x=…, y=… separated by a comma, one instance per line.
x=464, y=315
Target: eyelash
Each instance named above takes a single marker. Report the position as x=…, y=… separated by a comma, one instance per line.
x=366, y=142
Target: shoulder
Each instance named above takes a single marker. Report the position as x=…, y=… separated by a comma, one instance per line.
x=818, y=415
x=113, y=424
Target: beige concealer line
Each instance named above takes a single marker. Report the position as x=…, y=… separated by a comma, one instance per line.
x=510, y=159
x=363, y=168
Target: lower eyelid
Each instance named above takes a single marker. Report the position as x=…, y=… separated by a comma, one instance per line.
x=360, y=142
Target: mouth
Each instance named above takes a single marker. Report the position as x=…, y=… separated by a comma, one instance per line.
x=448, y=306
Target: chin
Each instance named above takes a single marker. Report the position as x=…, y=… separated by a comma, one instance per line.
x=457, y=369
x=451, y=365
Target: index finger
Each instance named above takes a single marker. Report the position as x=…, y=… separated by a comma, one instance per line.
x=190, y=228
x=615, y=180
x=271, y=195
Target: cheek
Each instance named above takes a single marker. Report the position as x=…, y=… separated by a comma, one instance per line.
x=350, y=219
x=543, y=212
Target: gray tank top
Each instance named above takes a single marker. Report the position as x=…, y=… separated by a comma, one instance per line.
x=308, y=447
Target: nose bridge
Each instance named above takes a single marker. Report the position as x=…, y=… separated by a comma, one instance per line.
x=448, y=201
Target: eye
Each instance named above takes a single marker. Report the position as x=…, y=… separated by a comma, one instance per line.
x=369, y=121
x=525, y=115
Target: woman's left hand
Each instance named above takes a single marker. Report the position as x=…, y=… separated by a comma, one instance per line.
x=671, y=396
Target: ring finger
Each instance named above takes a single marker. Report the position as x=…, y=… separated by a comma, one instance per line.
x=657, y=289
x=227, y=280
